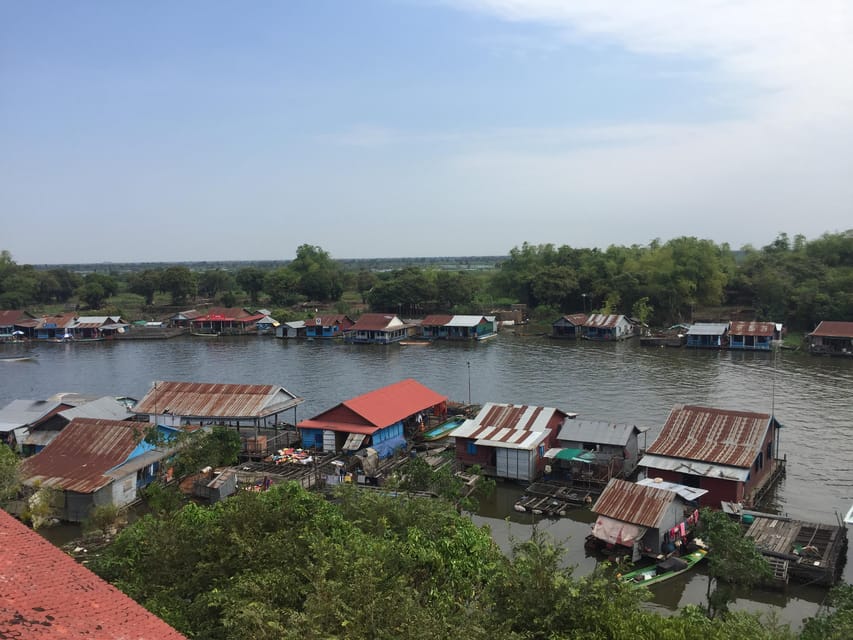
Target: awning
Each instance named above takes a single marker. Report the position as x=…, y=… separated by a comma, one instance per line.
x=576, y=455
x=617, y=532
x=354, y=441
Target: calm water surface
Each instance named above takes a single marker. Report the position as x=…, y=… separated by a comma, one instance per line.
x=614, y=382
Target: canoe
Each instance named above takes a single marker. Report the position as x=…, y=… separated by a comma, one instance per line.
x=664, y=570
x=444, y=429
x=18, y=357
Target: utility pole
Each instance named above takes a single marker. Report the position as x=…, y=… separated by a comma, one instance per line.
x=469, y=382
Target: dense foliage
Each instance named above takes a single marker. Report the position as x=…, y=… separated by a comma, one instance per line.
x=797, y=282
x=290, y=564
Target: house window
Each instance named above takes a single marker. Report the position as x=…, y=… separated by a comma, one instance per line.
x=541, y=450
x=472, y=449
x=769, y=450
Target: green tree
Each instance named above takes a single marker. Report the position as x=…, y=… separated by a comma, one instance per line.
x=10, y=480
x=835, y=622
x=282, y=286
x=251, y=280
x=320, y=277
x=733, y=560
x=178, y=281
x=145, y=283
x=93, y=294
x=364, y=283
x=213, y=281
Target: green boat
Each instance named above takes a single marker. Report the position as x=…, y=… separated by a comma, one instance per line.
x=444, y=429
x=663, y=570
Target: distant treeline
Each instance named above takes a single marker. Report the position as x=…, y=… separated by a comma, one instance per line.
x=794, y=281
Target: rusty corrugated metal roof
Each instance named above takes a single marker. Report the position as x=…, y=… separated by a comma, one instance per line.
x=603, y=321
x=834, y=329
x=508, y=424
x=9, y=317
x=78, y=458
x=718, y=436
x=740, y=328
x=209, y=400
x=436, y=320
x=577, y=319
x=633, y=503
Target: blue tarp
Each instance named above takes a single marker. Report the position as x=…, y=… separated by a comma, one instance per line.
x=386, y=448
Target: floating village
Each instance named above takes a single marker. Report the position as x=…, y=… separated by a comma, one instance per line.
x=645, y=496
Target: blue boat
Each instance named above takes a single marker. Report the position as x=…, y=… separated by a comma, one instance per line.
x=444, y=429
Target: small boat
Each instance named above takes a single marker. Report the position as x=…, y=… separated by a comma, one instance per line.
x=664, y=570
x=17, y=357
x=203, y=334
x=444, y=429
x=415, y=343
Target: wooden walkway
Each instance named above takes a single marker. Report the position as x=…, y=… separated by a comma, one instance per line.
x=547, y=498
x=804, y=551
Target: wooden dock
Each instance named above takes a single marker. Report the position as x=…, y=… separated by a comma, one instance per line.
x=802, y=551
x=550, y=499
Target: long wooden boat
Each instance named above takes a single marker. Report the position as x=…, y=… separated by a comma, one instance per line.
x=664, y=570
x=444, y=429
x=17, y=357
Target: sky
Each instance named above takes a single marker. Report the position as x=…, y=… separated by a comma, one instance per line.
x=212, y=130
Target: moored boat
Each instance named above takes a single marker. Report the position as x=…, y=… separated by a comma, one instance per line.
x=444, y=429
x=664, y=570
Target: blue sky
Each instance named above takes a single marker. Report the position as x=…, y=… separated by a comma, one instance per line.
x=219, y=130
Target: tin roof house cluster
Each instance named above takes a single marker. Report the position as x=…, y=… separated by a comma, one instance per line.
x=832, y=339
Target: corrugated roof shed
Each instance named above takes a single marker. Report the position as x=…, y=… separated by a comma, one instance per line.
x=45, y=593
x=603, y=321
x=833, y=329
x=104, y=408
x=436, y=320
x=209, y=400
x=466, y=321
x=633, y=503
x=21, y=413
x=508, y=425
x=740, y=328
x=577, y=319
x=717, y=436
x=708, y=329
x=79, y=457
x=597, y=432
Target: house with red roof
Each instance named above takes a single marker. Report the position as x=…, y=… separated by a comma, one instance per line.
x=226, y=321
x=732, y=454
x=435, y=326
x=378, y=328
x=606, y=327
x=377, y=419
x=508, y=440
x=832, y=338
x=9, y=318
x=753, y=336
x=93, y=462
x=45, y=593
x=569, y=326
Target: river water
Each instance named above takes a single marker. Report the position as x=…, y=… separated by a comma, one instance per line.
x=812, y=397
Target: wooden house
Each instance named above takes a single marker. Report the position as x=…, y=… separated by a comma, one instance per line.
x=292, y=329
x=226, y=321
x=614, y=446
x=95, y=462
x=732, y=454
x=267, y=325
x=177, y=404
x=47, y=594
x=331, y=326
x=18, y=416
x=569, y=326
x=708, y=335
x=607, y=327
x=832, y=338
x=378, y=419
x=43, y=431
x=9, y=319
x=377, y=328
x=95, y=327
x=509, y=441
x=644, y=517
x=53, y=327
x=184, y=319
x=752, y=336
x=471, y=327
x=434, y=327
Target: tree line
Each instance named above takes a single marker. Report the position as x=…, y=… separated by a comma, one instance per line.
x=794, y=281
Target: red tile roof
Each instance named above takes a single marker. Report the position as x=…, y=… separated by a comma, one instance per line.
x=633, y=503
x=79, y=457
x=206, y=400
x=44, y=593
x=833, y=329
x=716, y=436
x=379, y=408
x=739, y=328
x=375, y=322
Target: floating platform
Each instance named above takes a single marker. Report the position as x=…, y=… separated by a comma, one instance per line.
x=545, y=498
x=802, y=551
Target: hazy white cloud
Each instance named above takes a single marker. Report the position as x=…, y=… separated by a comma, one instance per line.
x=798, y=53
